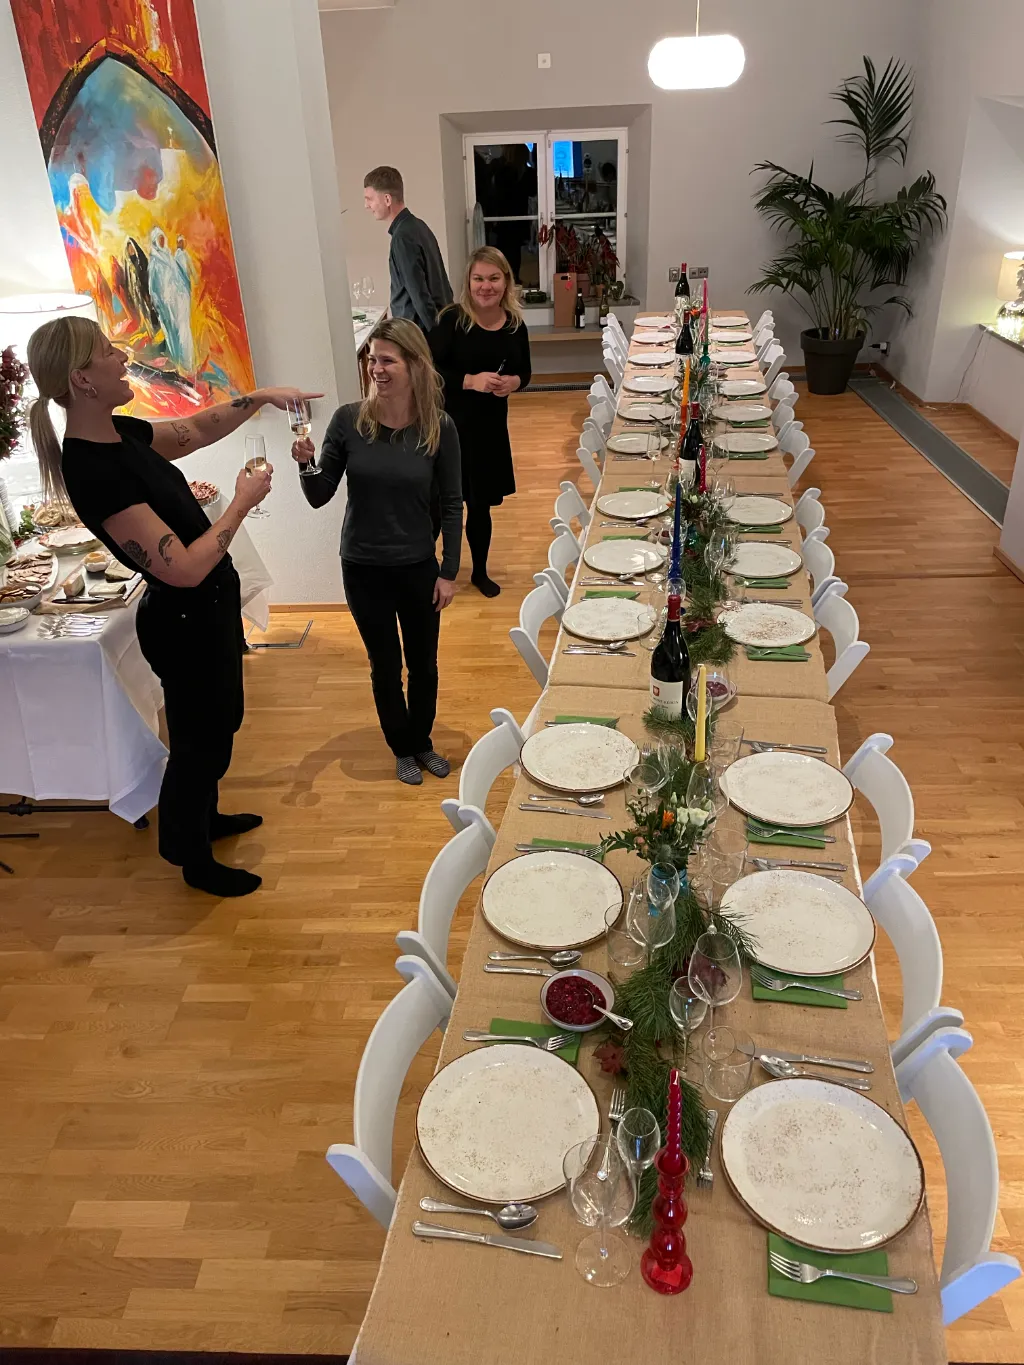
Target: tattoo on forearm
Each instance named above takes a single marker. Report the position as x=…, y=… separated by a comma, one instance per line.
x=215, y=418
x=164, y=547
x=182, y=431
x=134, y=550
x=244, y=402
x=224, y=540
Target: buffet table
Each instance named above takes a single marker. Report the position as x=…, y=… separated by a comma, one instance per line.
x=446, y=1303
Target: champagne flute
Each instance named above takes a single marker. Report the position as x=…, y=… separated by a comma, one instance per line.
x=716, y=973
x=300, y=420
x=256, y=459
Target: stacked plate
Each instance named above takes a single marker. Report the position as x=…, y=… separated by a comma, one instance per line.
x=648, y=383
x=730, y=320
x=741, y=388
x=659, y=321
x=734, y=356
x=738, y=413
x=550, y=900
x=649, y=338
x=653, y=358
x=746, y=442
x=730, y=335
x=636, y=442
x=647, y=412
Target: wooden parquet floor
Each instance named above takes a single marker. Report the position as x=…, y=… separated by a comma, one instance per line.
x=173, y=1068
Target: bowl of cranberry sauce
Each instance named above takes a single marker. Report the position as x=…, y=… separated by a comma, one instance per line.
x=568, y=999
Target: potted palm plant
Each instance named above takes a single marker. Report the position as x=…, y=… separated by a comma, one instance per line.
x=843, y=250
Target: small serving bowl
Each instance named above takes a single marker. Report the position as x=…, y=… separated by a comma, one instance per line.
x=716, y=679
x=601, y=985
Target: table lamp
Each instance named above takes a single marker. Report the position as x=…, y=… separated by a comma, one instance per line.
x=1011, y=285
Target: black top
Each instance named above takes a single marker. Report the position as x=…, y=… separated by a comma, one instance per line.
x=390, y=487
x=481, y=418
x=419, y=284
x=106, y=477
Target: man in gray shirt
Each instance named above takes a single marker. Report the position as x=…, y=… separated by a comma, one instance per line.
x=419, y=284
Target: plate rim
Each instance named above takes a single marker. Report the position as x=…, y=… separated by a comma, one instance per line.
x=565, y=853
x=617, y=450
x=794, y=824
x=790, y=511
x=788, y=573
x=782, y=607
x=813, y=1246
x=626, y=384
x=721, y=410
x=722, y=437
x=803, y=872
x=753, y=394
x=573, y=791
x=600, y=639
x=633, y=516
x=649, y=544
x=473, y=1052
x=650, y=401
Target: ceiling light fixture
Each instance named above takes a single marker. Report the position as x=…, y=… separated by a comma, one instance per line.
x=696, y=63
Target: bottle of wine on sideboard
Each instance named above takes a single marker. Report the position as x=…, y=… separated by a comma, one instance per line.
x=580, y=318
x=670, y=665
x=682, y=294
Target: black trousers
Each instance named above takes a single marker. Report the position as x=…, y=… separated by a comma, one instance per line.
x=384, y=598
x=193, y=643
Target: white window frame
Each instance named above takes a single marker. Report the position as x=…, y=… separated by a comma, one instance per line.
x=470, y=141
x=619, y=135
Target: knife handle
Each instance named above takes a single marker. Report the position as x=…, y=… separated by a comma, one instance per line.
x=842, y=1063
x=516, y=971
x=421, y=1229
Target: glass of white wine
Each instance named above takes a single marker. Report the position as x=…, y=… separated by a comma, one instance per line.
x=255, y=459
x=300, y=419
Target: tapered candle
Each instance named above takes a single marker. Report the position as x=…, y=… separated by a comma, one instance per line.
x=685, y=405
x=674, y=572
x=704, y=300
x=700, y=740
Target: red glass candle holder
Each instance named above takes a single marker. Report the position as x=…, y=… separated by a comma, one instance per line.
x=665, y=1265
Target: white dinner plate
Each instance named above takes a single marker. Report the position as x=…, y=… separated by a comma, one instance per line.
x=636, y=442
x=741, y=388
x=649, y=338
x=653, y=358
x=822, y=1165
x=739, y=356
x=625, y=556
x=633, y=504
x=495, y=1123
x=634, y=411
x=550, y=900
x=749, y=509
x=746, y=442
x=69, y=540
x=658, y=321
x=608, y=618
x=730, y=320
x=648, y=383
x=800, y=924
x=742, y=412
x=783, y=788
x=766, y=625
x=731, y=335
x=761, y=559
x=578, y=757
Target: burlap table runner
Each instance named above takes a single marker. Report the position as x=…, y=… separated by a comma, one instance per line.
x=442, y=1303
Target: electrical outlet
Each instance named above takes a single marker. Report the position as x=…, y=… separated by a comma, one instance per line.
x=882, y=346
x=544, y=60
x=673, y=274
x=698, y=272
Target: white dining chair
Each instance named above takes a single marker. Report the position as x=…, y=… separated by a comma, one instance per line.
x=615, y=369
x=810, y=515
x=603, y=389
x=615, y=322
x=782, y=415
x=822, y=534
x=774, y=368
x=539, y=605
x=767, y=319
x=874, y=774
x=971, y=1272
x=591, y=468
x=783, y=390
x=838, y=617
x=463, y=858
x=772, y=352
x=820, y=563
x=420, y=1007
x=616, y=346
x=563, y=552
x=551, y=576
x=569, y=506
x=911, y=930
x=488, y=757
x=761, y=347
x=803, y=452
x=601, y=417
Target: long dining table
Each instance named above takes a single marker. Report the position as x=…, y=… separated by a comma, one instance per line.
x=449, y=1303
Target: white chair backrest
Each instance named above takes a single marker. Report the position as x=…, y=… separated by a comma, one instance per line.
x=932, y=1076
x=875, y=774
x=602, y=415
x=569, y=505
x=463, y=858
x=832, y=611
x=799, y=465
x=782, y=416
x=810, y=514
x=603, y=389
x=763, y=334
x=590, y=466
x=563, y=551
x=766, y=319
x=590, y=438
x=761, y=347
x=556, y=580
x=405, y=1025
x=796, y=441
x=822, y=534
x=615, y=368
x=482, y=765
x=783, y=391
x=539, y=605
x=820, y=562
x=774, y=367
x=908, y=922
x=771, y=353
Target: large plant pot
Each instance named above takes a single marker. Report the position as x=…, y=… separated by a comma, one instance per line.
x=829, y=363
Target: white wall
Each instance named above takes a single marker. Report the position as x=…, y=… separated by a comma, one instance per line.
x=269, y=103
x=392, y=74
x=994, y=383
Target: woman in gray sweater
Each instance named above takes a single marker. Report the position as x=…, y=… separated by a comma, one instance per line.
x=399, y=449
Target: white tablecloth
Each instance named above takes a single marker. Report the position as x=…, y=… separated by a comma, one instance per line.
x=253, y=573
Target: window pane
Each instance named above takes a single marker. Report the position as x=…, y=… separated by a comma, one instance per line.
x=505, y=177
x=586, y=176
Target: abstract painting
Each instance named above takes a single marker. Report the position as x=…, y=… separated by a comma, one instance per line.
x=121, y=104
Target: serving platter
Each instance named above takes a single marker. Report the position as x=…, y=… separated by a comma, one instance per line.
x=801, y=924
x=784, y=788
x=578, y=757
x=550, y=900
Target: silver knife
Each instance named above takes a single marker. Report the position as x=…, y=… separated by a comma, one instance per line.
x=502, y=970
x=487, y=1239
x=800, y=748
x=799, y=862
x=552, y=848
x=605, y=653
x=563, y=810
x=841, y=1063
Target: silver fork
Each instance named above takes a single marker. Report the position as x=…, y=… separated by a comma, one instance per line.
x=808, y=1274
x=616, y=1106
x=552, y=1044
x=778, y=983
x=706, y=1176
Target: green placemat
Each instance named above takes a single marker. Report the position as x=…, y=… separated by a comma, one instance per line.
x=583, y=847
x=790, y=655
x=845, y=1293
x=796, y=996
x=765, y=582
x=570, y=1053
x=795, y=838
x=757, y=530
x=610, y=721
x=629, y=535
x=749, y=455
x=612, y=592
x=636, y=488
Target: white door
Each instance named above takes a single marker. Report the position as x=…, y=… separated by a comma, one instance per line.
x=586, y=193
x=504, y=179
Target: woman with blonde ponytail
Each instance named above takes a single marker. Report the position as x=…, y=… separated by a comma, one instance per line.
x=119, y=476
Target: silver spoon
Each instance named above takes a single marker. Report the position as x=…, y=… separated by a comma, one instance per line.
x=786, y=1071
x=590, y=799
x=619, y=1020
x=511, y=1217
x=565, y=957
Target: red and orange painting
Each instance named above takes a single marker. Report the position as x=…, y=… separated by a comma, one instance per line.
x=120, y=101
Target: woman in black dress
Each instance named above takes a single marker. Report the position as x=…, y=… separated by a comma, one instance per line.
x=481, y=348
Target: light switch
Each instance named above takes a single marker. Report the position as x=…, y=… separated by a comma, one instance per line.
x=544, y=60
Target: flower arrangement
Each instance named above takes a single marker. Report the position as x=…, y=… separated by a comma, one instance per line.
x=12, y=387
x=670, y=830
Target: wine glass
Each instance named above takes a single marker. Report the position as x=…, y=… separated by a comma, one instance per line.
x=639, y=1139
x=602, y=1192
x=300, y=420
x=623, y=949
x=643, y=782
x=369, y=289
x=357, y=294
x=650, y=923
x=728, y=1059
x=716, y=973
x=657, y=602
x=702, y=787
x=256, y=458
x=687, y=1010
x=663, y=884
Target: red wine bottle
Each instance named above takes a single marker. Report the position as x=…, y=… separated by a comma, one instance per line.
x=684, y=341
x=683, y=287
x=670, y=665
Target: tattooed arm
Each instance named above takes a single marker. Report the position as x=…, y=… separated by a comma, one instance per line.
x=181, y=435
x=149, y=542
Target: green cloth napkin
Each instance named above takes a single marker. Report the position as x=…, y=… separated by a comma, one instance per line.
x=755, y=530
x=629, y=535
x=846, y=1293
x=583, y=847
x=610, y=721
x=765, y=582
x=635, y=488
x=749, y=426
x=570, y=1053
x=788, y=654
x=612, y=592
x=795, y=838
x=795, y=996
x=749, y=455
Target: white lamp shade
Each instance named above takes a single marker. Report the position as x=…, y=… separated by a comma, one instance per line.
x=698, y=63
x=1008, y=287
x=21, y=314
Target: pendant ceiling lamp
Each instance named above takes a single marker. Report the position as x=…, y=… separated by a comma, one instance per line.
x=697, y=63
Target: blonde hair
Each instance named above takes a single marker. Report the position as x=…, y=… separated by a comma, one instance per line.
x=427, y=402
x=490, y=255
x=55, y=350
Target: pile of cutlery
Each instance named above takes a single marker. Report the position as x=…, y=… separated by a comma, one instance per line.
x=70, y=625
